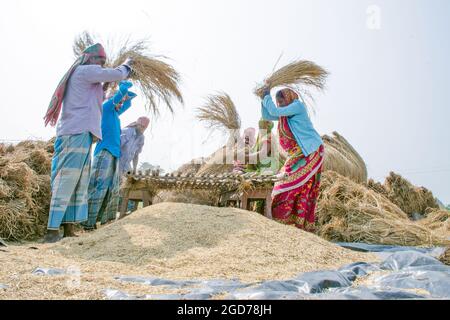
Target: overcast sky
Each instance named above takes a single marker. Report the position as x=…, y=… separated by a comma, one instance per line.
x=388, y=92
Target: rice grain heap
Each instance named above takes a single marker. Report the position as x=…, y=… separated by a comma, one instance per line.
x=157, y=80
x=183, y=241
x=350, y=212
x=25, y=190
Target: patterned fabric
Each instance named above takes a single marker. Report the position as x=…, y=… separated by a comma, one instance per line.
x=103, y=189
x=70, y=179
x=295, y=197
x=54, y=108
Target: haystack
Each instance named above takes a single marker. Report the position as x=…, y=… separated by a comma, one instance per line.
x=25, y=191
x=409, y=198
x=342, y=158
x=351, y=212
x=157, y=79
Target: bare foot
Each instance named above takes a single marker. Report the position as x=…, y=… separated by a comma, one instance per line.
x=69, y=231
x=52, y=236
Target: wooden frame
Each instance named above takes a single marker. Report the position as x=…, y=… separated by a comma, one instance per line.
x=263, y=194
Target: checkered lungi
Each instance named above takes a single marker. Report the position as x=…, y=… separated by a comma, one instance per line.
x=71, y=165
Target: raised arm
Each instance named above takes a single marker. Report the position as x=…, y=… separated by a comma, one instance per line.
x=265, y=114
x=97, y=74
x=127, y=103
x=294, y=108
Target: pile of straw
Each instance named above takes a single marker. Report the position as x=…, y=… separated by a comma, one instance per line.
x=25, y=190
x=445, y=257
x=437, y=220
x=296, y=74
x=350, y=212
x=157, y=80
x=342, y=158
x=409, y=198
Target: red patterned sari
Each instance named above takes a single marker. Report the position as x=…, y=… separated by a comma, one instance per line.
x=295, y=197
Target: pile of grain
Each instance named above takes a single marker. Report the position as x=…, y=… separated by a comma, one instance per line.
x=191, y=241
x=351, y=212
x=24, y=189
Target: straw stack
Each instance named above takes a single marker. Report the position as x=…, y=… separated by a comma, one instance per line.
x=342, y=158
x=351, y=212
x=24, y=190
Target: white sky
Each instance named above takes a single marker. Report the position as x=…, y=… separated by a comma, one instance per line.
x=388, y=92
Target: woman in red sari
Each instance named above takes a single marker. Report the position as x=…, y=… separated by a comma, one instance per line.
x=295, y=196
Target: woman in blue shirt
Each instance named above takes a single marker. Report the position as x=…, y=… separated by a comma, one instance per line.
x=295, y=196
x=104, y=184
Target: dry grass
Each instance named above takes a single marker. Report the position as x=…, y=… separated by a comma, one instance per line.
x=409, y=198
x=342, y=158
x=445, y=257
x=157, y=80
x=297, y=73
x=437, y=220
x=219, y=112
x=350, y=212
x=25, y=191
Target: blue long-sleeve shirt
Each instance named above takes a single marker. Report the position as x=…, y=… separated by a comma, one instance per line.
x=298, y=120
x=111, y=129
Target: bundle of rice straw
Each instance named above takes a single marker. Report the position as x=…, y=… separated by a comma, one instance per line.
x=342, y=158
x=445, y=257
x=409, y=198
x=295, y=75
x=377, y=187
x=220, y=113
x=350, y=212
x=157, y=80
x=25, y=191
x=437, y=220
